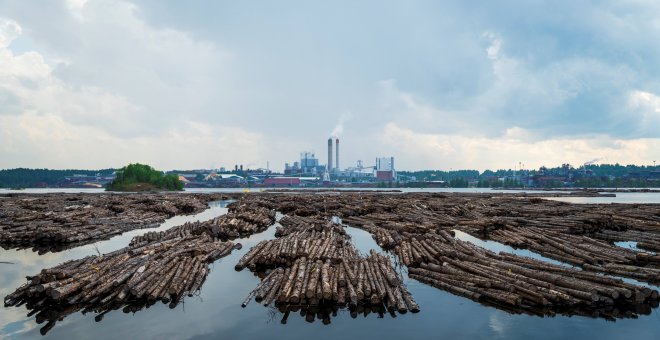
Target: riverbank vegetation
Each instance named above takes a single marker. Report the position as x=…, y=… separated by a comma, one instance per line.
x=41, y=178
x=141, y=177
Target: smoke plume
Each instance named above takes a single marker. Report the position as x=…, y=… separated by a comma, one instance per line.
x=339, y=127
x=592, y=161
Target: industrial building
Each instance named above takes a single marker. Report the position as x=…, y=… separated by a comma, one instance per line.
x=332, y=174
x=282, y=181
x=358, y=172
x=308, y=165
x=385, y=169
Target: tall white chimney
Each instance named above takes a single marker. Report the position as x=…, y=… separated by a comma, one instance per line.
x=337, y=154
x=330, y=154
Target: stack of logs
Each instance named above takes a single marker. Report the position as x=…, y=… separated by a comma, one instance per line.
x=315, y=264
x=519, y=284
x=365, y=280
x=164, y=268
x=326, y=245
x=589, y=253
x=647, y=240
x=53, y=222
x=239, y=222
x=576, y=234
x=291, y=224
x=132, y=276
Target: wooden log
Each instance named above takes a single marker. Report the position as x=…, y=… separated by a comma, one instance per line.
x=314, y=279
x=288, y=284
x=294, y=297
x=325, y=281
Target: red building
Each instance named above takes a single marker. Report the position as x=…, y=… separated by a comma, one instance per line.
x=385, y=175
x=282, y=181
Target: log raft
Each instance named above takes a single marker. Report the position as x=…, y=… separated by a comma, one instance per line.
x=323, y=287
x=55, y=222
x=315, y=264
x=165, y=268
x=312, y=262
x=131, y=278
x=418, y=228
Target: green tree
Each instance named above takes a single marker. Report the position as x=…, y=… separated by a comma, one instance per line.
x=458, y=182
x=138, y=177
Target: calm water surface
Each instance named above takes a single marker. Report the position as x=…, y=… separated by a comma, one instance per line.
x=621, y=197
x=216, y=312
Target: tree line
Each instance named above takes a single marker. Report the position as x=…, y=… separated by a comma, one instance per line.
x=25, y=178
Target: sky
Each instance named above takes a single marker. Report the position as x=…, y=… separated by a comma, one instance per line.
x=435, y=84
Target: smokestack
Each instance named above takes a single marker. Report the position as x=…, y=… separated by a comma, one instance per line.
x=337, y=154
x=330, y=154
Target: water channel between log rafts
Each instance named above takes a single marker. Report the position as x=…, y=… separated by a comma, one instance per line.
x=216, y=310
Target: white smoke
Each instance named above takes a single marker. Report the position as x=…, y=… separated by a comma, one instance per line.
x=593, y=161
x=339, y=128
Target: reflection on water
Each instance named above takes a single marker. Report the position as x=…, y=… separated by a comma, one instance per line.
x=497, y=247
x=362, y=240
x=632, y=245
x=325, y=313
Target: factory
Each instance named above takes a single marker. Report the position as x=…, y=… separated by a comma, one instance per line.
x=307, y=171
x=332, y=174
x=308, y=166
x=385, y=169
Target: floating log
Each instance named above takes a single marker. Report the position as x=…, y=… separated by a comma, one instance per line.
x=417, y=227
x=54, y=222
x=325, y=269
x=326, y=291
x=317, y=265
x=166, y=268
x=167, y=271
x=237, y=223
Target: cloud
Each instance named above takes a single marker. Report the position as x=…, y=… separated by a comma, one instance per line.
x=52, y=142
x=9, y=30
x=147, y=78
x=28, y=84
x=46, y=121
x=495, y=45
x=647, y=107
x=455, y=84
x=442, y=151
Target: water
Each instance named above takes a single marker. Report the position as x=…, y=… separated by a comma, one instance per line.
x=216, y=312
x=234, y=190
x=497, y=247
x=632, y=245
x=621, y=197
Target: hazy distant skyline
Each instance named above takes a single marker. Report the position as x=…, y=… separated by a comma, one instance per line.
x=437, y=85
